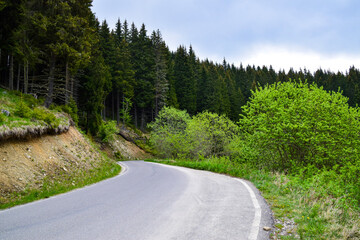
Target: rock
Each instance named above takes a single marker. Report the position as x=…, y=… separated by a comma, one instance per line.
x=5, y=112
x=267, y=228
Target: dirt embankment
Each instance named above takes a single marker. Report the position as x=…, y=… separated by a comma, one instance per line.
x=24, y=164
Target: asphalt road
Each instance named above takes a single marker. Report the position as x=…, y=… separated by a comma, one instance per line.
x=146, y=201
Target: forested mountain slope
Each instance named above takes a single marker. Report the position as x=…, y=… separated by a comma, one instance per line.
x=60, y=51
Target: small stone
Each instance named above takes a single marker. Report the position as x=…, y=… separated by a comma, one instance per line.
x=267, y=228
x=20, y=179
x=4, y=159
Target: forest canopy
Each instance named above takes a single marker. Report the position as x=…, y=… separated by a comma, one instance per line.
x=60, y=52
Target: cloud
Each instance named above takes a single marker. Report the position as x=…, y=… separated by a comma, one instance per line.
x=258, y=31
x=281, y=57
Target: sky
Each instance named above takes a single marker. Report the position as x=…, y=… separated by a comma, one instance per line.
x=309, y=34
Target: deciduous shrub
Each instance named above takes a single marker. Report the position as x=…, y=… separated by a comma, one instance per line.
x=209, y=134
x=291, y=125
x=45, y=115
x=107, y=131
x=176, y=135
x=168, y=132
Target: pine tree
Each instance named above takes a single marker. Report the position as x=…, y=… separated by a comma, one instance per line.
x=143, y=61
x=161, y=82
x=185, y=84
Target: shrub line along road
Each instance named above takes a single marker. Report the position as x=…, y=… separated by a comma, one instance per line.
x=146, y=201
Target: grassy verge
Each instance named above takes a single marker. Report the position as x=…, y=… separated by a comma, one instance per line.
x=65, y=181
x=309, y=202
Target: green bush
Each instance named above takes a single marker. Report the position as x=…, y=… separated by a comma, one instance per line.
x=22, y=110
x=209, y=134
x=287, y=126
x=176, y=135
x=167, y=135
x=70, y=108
x=2, y=118
x=46, y=116
x=107, y=131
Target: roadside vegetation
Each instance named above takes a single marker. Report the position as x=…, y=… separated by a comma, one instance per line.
x=296, y=142
x=22, y=115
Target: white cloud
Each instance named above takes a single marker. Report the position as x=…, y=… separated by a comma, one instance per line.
x=280, y=57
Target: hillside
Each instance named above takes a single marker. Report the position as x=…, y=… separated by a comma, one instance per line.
x=42, y=153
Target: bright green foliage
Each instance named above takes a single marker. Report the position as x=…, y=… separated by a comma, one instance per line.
x=291, y=125
x=22, y=110
x=168, y=131
x=72, y=109
x=175, y=134
x=45, y=115
x=209, y=133
x=125, y=111
x=2, y=118
x=107, y=131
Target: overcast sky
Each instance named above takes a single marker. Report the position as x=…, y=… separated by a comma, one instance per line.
x=281, y=33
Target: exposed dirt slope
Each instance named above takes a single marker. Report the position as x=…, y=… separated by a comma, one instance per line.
x=125, y=150
x=25, y=163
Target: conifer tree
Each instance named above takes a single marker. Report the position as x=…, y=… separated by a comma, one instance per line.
x=161, y=82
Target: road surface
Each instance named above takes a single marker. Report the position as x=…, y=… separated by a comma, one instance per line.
x=146, y=201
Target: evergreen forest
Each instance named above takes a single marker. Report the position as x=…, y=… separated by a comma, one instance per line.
x=60, y=52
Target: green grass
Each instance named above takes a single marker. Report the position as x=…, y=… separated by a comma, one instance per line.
x=25, y=110
x=309, y=202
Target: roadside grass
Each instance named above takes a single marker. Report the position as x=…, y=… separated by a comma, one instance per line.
x=64, y=182
x=309, y=202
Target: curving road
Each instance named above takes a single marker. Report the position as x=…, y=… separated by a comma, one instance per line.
x=146, y=201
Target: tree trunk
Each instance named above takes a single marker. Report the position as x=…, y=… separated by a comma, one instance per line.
x=123, y=108
x=73, y=90
x=135, y=116
x=26, y=76
x=104, y=110
x=67, y=79
x=117, y=106
x=50, y=94
x=113, y=105
x=11, y=73
x=32, y=81
x=156, y=103
x=18, y=78
x=142, y=126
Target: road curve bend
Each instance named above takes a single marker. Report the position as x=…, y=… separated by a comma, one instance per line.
x=147, y=201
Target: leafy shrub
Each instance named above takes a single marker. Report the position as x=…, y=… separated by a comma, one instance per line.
x=22, y=110
x=176, y=135
x=290, y=125
x=168, y=132
x=46, y=116
x=209, y=134
x=70, y=108
x=107, y=131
